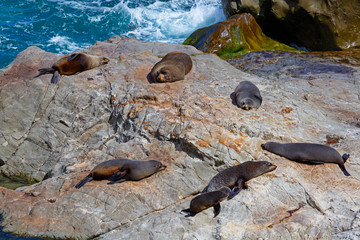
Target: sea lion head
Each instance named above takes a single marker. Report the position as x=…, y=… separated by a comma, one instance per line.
x=269, y=145
x=156, y=165
x=164, y=75
x=247, y=103
x=104, y=60
x=261, y=167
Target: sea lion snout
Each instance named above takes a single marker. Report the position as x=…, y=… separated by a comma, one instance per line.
x=105, y=60
x=162, y=77
x=162, y=167
x=272, y=167
x=263, y=146
x=246, y=104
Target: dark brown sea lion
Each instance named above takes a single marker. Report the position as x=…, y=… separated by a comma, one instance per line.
x=76, y=62
x=173, y=67
x=247, y=96
x=308, y=153
x=207, y=200
x=122, y=169
x=235, y=177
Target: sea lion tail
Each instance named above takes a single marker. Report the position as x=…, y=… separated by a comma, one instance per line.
x=88, y=178
x=43, y=71
x=188, y=212
x=345, y=157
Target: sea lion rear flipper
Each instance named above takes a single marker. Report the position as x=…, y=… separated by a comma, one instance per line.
x=217, y=209
x=188, y=212
x=88, y=178
x=345, y=156
x=117, y=181
x=43, y=71
x=55, y=77
x=237, y=188
x=344, y=170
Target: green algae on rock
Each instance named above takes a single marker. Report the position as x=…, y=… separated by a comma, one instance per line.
x=13, y=182
x=234, y=37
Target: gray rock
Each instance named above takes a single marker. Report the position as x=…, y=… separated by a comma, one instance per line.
x=62, y=131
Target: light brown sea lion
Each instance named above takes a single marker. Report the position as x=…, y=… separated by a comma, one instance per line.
x=308, y=153
x=122, y=169
x=207, y=200
x=235, y=177
x=247, y=96
x=173, y=67
x=76, y=62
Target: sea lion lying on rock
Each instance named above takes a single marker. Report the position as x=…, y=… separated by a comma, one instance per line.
x=122, y=169
x=69, y=65
x=246, y=96
x=173, y=67
x=308, y=153
x=207, y=200
x=235, y=177
x=231, y=178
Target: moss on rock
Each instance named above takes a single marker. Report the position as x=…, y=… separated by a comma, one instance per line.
x=234, y=37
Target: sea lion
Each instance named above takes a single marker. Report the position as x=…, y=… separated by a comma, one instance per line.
x=247, y=96
x=173, y=67
x=68, y=65
x=235, y=177
x=122, y=169
x=207, y=200
x=308, y=153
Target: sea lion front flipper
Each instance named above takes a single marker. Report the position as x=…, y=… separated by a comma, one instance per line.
x=313, y=162
x=344, y=170
x=117, y=181
x=188, y=212
x=117, y=175
x=55, y=77
x=72, y=57
x=237, y=188
x=88, y=178
x=217, y=209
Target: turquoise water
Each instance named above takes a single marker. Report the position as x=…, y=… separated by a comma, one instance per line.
x=62, y=26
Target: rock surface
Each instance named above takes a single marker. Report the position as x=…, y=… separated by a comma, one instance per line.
x=64, y=130
x=233, y=38
x=315, y=24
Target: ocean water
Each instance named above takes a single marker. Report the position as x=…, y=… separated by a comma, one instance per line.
x=63, y=26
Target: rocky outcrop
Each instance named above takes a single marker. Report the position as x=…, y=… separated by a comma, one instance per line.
x=317, y=24
x=233, y=38
x=62, y=131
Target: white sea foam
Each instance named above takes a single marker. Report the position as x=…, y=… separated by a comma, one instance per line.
x=171, y=21
x=64, y=44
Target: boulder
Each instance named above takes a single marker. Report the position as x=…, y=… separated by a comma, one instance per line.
x=233, y=38
x=315, y=24
x=60, y=132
